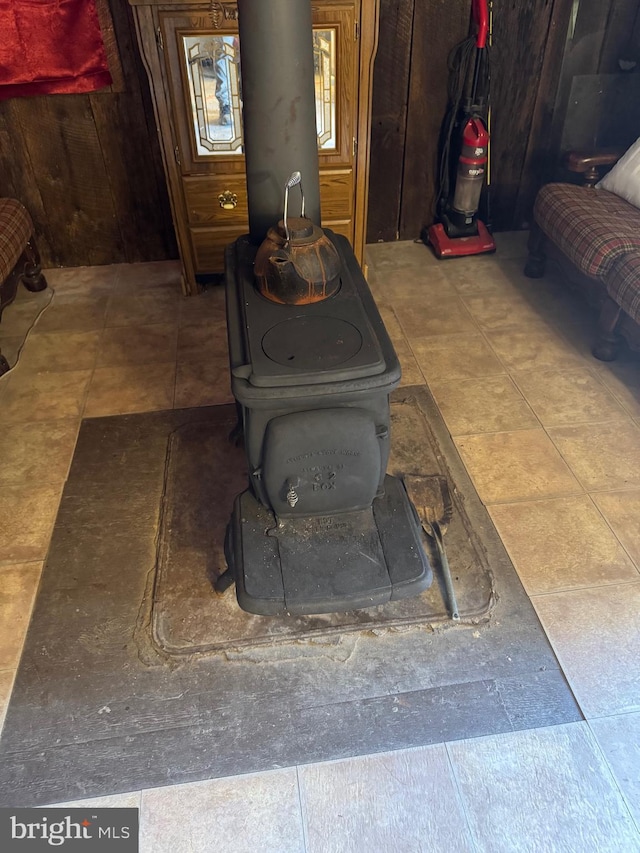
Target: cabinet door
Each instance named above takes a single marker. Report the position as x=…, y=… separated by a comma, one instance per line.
x=203, y=71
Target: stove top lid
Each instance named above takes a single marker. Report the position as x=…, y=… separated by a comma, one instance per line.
x=306, y=343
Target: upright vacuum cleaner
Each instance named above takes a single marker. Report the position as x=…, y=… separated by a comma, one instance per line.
x=464, y=149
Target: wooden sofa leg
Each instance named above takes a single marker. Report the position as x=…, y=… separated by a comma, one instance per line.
x=32, y=277
x=537, y=260
x=607, y=346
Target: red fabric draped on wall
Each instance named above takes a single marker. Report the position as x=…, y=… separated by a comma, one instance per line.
x=50, y=46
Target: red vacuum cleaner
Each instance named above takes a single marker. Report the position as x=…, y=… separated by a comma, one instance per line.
x=464, y=149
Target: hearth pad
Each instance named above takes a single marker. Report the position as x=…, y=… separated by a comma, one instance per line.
x=203, y=475
x=135, y=674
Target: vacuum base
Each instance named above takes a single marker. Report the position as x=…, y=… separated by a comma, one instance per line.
x=326, y=564
x=459, y=247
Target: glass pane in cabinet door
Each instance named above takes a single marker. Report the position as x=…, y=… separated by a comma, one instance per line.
x=213, y=68
x=213, y=73
x=324, y=67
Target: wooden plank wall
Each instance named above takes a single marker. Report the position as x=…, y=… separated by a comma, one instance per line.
x=89, y=168
x=528, y=67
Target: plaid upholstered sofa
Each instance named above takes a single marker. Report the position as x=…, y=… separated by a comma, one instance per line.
x=19, y=258
x=594, y=237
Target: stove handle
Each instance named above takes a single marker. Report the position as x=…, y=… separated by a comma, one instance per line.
x=292, y=495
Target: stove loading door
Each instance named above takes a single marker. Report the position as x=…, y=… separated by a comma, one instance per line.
x=322, y=461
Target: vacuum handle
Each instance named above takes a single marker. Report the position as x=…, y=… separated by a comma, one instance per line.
x=480, y=11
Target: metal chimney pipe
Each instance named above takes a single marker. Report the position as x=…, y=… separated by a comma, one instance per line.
x=278, y=107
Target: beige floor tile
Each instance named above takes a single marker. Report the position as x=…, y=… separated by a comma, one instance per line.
x=405, y=253
x=143, y=309
x=622, y=511
x=595, y=634
x=561, y=544
x=499, y=311
x=542, y=790
x=511, y=244
x=30, y=396
x=131, y=388
x=131, y=345
x=455, y=357
x=411, y=374
x=622, y=378
x=83, y=281
x=27, y=513
x=474, y=276
x=53, y=351
x=151, y=275
x=202, y=384
x=10, y=349
x=619, y=739
x=560, y=306
x=375, y=280
x=22, y=315
x=205, y=342
x=433, y=315
x=602, y=456
x=561, y=397
x=512, y=466
x=391, y=324
x=411, y=793
x=37, y=452
x=581, y=333
x=68, y=313
x=536, y=348
x=6, y=686
x=488, y=404
x=258, y=812
x=415, y=283
x=18, y=587
x=207, y=308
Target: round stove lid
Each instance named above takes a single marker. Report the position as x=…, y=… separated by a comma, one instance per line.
x=312, y=343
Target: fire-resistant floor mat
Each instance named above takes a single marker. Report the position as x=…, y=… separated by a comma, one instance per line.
x=136, y=673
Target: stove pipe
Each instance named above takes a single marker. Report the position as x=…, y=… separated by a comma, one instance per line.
x=278, y=107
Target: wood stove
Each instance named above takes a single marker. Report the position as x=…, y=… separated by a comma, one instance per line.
x=322, y=527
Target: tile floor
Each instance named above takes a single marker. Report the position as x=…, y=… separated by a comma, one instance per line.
x=551, y=439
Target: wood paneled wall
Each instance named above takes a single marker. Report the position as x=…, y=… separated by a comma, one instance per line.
x=88, y=167
x=531, y=64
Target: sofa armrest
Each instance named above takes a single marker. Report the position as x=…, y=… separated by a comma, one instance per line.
x=589, y=163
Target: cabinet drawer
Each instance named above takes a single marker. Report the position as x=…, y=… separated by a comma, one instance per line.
x=203, y=206
x=208, y=247
x=336, y=194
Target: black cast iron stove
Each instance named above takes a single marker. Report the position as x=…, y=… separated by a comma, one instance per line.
x=322, y=528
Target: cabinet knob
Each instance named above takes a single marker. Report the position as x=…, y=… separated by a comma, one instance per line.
x=228, y=200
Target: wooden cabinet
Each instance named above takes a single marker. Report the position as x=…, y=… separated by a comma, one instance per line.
x=191, y=54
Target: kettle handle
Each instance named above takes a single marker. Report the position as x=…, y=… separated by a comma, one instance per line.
x=295, y=179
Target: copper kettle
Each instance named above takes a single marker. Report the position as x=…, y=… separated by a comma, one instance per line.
x=297, y=263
